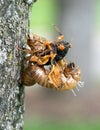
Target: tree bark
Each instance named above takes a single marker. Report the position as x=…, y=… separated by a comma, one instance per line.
x=14, y=26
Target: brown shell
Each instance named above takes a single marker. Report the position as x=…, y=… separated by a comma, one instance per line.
x=52, y=78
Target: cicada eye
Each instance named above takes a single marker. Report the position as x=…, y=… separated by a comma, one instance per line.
x=71, y=65
x=61, y=47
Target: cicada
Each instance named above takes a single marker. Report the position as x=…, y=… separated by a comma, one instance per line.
x=60, y=75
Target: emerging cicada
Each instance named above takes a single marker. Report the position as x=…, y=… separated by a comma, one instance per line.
x=60, y=75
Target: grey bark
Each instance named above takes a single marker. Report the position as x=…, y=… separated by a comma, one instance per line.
x=14, y=26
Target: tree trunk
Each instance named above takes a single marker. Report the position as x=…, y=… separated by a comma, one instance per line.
x=14, y=25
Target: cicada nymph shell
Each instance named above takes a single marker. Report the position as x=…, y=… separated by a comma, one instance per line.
x=56, y=77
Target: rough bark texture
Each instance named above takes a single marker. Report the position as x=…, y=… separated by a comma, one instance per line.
x=14, y=25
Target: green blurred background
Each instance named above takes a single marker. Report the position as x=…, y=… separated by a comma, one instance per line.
x=79, y=21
